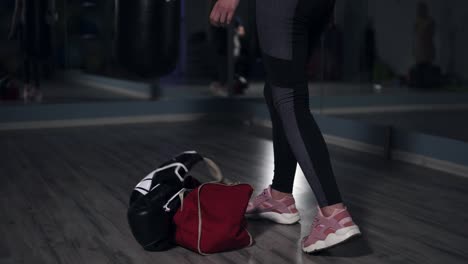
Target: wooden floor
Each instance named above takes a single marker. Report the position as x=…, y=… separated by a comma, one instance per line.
x=64, y=194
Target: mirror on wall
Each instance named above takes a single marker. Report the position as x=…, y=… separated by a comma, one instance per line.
x=365, y=63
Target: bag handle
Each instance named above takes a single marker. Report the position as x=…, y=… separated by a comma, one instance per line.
x=215, y=171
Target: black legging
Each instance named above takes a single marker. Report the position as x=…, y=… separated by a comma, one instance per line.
x=31, y=72
x=287, y=29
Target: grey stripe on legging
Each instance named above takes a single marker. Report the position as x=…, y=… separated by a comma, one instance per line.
x=288, y=104
x=287, y=29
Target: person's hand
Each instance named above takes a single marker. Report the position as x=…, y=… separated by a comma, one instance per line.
x=222, y=12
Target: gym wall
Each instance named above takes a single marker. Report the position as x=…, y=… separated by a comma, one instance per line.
x=394, y=23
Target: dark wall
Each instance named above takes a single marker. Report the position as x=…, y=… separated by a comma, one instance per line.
x=8, y=49
x=394, y=23
x=351, y=18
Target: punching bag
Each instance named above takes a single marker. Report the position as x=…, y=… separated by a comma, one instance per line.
x=35, y=30
x=148, y=36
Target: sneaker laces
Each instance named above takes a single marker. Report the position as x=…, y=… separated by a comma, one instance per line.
x=316, y=221
x=313, y=226
x=261, y=196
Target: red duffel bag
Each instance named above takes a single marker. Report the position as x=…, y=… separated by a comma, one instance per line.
x=211, y=217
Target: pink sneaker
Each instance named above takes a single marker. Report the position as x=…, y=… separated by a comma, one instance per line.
x=280, y=211
x=329, y=231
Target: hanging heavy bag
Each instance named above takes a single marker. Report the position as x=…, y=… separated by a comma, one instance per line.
x=148, y=36
x=211, y=217
x=153, y=202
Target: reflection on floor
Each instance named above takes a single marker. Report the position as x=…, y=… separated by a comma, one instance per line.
x=64, y=195
x=448, y=124
x=255, y=90
x=64, y=91
x=341, y=89
x=77, y=86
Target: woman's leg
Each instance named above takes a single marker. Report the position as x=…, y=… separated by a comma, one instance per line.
x=285, y=31
x=307, y=143
x=37, y=94
x=27, y=70
x=284, y=161
x=36, y=73
x=276, y=202
x=27, y=88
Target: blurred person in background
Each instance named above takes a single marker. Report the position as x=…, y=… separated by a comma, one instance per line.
x=30, y=24
x=424, y=73
x=240, y=56
x=368, y=53
x=424, y=29
x=219, y=39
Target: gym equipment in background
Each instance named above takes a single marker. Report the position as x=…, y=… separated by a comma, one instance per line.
x=148, y=35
